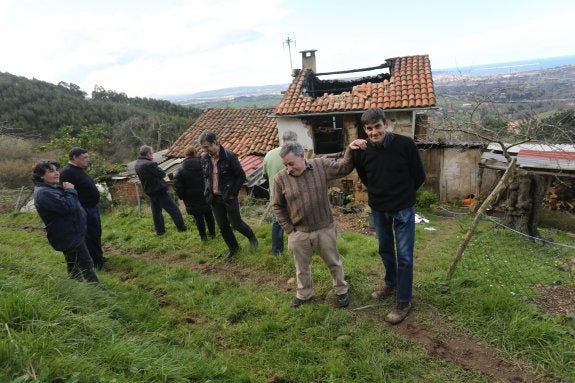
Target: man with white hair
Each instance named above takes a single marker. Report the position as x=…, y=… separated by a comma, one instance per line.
x=301, y=205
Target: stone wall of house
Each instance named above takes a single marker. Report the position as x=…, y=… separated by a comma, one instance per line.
x=451, y=172
x=401, y=123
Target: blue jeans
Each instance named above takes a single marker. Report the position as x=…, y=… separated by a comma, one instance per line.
x=164, y=201
x=396, y=236
x=277, y=237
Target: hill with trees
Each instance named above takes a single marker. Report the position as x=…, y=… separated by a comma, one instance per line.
x=40, y=110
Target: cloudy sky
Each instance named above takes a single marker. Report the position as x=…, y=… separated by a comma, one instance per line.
x=149, y=48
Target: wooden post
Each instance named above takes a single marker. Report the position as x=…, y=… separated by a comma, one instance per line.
x=503, y=183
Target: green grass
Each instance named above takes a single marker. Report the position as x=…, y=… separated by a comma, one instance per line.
x=172, y=311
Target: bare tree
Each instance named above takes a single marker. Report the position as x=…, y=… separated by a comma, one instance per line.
x=521, y=191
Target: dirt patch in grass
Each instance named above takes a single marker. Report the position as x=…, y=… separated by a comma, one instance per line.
x=354, y=219
x=556, y=299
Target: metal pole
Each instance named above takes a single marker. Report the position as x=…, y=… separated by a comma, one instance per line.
x=138, y=197
x=17, y=207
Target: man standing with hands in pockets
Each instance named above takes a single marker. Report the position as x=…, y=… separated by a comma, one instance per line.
x=301, y=205
x=390, y=166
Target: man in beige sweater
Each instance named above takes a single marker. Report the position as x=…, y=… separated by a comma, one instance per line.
x=301, y=205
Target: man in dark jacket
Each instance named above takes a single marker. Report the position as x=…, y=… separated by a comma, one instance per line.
x=224, y=177
x=89, y=196
x=64, y=219
x=390, y=166
x=189, y=185
x=152, y=178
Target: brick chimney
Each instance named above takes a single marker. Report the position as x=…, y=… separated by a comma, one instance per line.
x=308, y=59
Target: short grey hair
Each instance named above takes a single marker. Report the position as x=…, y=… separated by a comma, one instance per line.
x=208, y=136
x=291, y=147
x=144, y=150
x=289, y=136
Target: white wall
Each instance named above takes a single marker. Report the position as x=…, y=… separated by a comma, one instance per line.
x=459, y=173
x=295, y=125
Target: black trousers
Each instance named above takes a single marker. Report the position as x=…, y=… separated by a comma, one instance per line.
x=79, y=264
x=94, y=235
x=227, y=215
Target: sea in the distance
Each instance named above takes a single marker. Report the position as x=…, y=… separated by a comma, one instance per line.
x=508, y=67
x=476, y=70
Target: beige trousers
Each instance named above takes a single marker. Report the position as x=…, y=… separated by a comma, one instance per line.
x=302, y=246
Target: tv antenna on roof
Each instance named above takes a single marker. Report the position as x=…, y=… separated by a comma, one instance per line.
x=289, y=40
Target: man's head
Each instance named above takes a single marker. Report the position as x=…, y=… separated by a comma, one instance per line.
x=79, y=157
x=374, y=124
x=46, y=171
x=147, y=151
x=292, y=156
x=190, y=152
x=289, y=136
x=209, y=142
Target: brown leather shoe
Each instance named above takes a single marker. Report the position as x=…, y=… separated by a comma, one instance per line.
x=383, y=294
x=399, y=313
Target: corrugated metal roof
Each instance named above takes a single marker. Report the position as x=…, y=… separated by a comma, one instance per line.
x=546, y=160
x=533, y=146
x=158, y=157
x=253, y=167
x=535, y=156
x=251, y=163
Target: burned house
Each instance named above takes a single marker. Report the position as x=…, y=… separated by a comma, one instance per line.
x=326, y=115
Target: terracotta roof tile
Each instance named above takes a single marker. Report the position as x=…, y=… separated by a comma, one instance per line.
x=409, y=84
x=243, y=131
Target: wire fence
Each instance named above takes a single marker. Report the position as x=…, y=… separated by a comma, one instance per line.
x=518, y=263
x=14, y=199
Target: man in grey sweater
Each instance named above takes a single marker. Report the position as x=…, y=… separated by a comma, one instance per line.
x=301, y=205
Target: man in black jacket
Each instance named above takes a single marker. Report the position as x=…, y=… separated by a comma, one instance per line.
x=89, y=196
x=224, y=177
x=189, y=185
x=152, y=179
x=390, y=166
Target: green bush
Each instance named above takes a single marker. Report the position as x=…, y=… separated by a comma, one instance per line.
x=425, y=198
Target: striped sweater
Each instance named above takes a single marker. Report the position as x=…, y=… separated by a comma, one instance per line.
x=301, y=203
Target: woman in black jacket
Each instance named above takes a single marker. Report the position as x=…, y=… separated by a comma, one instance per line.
x=189, y=185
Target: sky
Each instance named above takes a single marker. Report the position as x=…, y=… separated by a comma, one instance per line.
x=154, y=48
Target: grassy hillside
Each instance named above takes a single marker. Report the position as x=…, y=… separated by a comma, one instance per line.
x=171, y=310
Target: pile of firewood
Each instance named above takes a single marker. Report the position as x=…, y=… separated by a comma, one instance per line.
x=561, y=195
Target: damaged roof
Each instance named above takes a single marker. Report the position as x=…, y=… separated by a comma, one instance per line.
x=243, y=131
x=408, y=85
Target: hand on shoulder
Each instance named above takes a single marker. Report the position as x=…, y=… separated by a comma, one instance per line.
x=359, y=143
